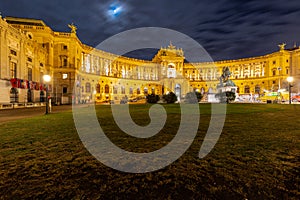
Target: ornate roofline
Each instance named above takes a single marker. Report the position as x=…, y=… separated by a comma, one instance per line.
x=25, y=21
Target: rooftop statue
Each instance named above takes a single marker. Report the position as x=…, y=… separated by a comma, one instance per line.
x=224, y=78
x=281, y=46
x=72, y=27
x=171, y=46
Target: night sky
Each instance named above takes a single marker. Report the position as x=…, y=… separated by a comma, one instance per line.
x=227, y=29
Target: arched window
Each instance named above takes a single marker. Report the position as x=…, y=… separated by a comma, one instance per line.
x=98, y=88
x=130, y=90
x=138, y=91
x=247, y=89
x=87, y=87
x=202, y=90
x=178, y=91
x=146, y=90
x=171, y=71
x=257, y=89
x=123, y=90
x=115, y=89
x=106, y=89
x=153, y=90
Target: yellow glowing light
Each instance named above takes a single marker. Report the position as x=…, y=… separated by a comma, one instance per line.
x=290, y=79
x=47, y=78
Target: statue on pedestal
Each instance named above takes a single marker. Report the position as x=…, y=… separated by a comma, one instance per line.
x=224, y=78
x=226, y=88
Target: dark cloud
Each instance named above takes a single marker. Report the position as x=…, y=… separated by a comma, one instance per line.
x=227, y=29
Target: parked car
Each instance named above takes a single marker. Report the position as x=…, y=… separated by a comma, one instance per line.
x=296, y=98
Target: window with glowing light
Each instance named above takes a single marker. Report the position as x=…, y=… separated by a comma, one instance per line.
x=64, y=76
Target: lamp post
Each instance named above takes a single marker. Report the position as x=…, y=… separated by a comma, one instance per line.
x=290, y=79
x=47, y=79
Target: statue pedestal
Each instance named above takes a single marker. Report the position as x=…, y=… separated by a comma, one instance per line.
x=212, y=97
x=227, y=89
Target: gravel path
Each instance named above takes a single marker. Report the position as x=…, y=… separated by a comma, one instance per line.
x=20, y=113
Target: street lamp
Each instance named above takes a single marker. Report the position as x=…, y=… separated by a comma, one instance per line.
x=290, y=79
x=47, y=79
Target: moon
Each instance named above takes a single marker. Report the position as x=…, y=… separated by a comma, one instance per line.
x=115, y=10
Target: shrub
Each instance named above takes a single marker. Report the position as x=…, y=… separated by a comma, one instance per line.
x=170, y=97
x=193, y=97
x=152, y=98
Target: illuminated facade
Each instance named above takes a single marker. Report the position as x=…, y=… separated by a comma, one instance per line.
x=29, y=48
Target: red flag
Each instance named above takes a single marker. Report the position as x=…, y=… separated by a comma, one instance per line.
x=14, y=82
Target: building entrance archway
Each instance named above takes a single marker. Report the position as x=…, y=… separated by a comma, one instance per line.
x=178, y=91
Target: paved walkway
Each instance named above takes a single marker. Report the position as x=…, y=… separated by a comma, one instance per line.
x=20, y=113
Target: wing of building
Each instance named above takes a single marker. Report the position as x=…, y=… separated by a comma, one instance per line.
x=80, y=73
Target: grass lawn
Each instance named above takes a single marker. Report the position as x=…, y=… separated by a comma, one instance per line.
x=256, y=157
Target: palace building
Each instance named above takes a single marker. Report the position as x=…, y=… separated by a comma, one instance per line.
x=30, y=49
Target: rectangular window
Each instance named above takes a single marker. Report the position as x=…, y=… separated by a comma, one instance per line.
x=65, y=62
x=12, y=52
x=65, y=90
x=65, y=47
x=13, y=70
x=29, y=74
x=87, y=87
x=64, y=76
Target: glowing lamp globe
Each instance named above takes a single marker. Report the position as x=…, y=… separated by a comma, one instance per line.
x=290, y=79
x=47, y=78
